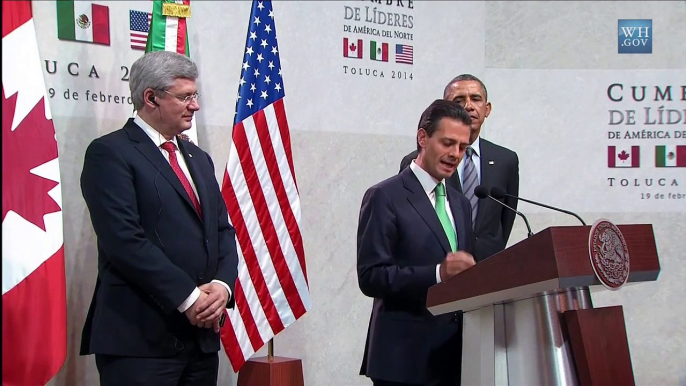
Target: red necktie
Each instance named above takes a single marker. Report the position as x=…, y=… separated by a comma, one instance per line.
x=171, y=149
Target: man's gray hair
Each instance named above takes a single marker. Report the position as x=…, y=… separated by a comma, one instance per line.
x=158, y=70
x=463, y=77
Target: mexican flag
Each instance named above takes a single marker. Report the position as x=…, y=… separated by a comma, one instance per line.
x=623, y=156
x=170, y=33
x=83, y=21
x=667, y=156
x=378, y=51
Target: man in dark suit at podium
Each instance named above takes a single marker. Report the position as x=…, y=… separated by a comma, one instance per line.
x=167, y=259
x=485, y=163
x=415, y=232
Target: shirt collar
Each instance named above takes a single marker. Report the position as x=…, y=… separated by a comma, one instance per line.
x=154, y=135
x=425, y=179
x=476, y=146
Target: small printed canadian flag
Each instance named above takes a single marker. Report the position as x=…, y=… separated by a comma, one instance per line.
x=623, y=157
x=352, y=49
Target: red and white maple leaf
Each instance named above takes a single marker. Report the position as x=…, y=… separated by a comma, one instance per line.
x=353, y=47
x=30, y=145
x=623, y=155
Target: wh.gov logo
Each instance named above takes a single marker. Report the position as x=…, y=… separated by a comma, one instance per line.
x=635, y=36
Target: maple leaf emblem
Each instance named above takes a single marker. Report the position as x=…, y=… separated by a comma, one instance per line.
x=30, y=145
x=623, y=155
x=353, y=47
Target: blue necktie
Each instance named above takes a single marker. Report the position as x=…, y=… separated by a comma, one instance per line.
x=470, y=181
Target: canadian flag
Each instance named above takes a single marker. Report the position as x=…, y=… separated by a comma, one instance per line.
x=34, y=306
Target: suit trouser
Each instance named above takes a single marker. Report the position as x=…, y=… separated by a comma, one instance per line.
x=190, y=367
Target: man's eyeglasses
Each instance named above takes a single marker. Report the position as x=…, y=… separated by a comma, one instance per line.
x=185, y=99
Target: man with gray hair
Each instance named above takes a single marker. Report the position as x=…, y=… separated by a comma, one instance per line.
x=484, y=163
x=167, y=259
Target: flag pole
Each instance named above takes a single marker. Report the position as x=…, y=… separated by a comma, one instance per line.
x=270, y=350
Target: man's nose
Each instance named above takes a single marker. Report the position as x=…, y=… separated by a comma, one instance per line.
x=468, y=105
x=194, y=105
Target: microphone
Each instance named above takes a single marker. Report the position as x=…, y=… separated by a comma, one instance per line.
x=482, y=192
x=499, y=192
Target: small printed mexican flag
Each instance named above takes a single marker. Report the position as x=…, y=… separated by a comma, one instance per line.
x=670, y=156
x=623, y=157
x=83, y=21
x=378, y=51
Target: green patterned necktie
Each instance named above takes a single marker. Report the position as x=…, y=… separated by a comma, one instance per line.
x=443, y=216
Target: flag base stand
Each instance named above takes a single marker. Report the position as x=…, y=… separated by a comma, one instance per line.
x=271, y=371
x=278, y=371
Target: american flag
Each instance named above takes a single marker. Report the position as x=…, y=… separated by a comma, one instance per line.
x=139, y=26
x=263, y=202
x=403, y=53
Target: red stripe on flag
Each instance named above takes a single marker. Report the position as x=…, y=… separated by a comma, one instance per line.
x=635, y=156
x=681, y=156
x=231, y=345
x=181, y=33
x=280, y=112
x=101, y=24
x=34, y=325
x=280, y=190
x=249, y=255
x=14, y=15
x=266, y=224
x=611, y=156
x=248, y=320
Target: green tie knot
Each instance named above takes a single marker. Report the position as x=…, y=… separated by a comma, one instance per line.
x=440, y=190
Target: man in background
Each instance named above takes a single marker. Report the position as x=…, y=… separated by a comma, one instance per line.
x=167, y=260
x=484, y=163
x=415, y=232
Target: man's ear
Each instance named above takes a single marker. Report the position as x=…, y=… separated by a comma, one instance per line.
x=488, y=109
x=422, y=137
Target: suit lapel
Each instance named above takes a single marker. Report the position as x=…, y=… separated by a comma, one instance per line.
x=417, y=197
x=454, y=181
x=458, y=218
x=197, y=177
x=487, y=170
x=153, y=154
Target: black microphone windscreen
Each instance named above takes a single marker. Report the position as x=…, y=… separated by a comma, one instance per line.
x=481, y=191
x=498, y=192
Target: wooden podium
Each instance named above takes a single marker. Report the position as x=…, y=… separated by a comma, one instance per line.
x=528, y=315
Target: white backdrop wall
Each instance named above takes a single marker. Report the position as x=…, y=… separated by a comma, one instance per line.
x=547, y=66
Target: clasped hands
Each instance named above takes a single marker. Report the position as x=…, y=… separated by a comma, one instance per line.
x=208, y=309
x=454, y=263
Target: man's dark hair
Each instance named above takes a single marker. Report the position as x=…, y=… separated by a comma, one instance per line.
x=439, y=109
x=463, y=77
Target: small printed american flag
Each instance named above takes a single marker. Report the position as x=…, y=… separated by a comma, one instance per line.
x=403, y=53
x=263, y=202
x=139, y=27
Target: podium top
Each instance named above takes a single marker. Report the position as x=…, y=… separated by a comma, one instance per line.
x=555, y=258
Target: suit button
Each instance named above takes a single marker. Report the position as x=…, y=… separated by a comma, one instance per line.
x=178, y=345
x=456, y=318
x=201, y=277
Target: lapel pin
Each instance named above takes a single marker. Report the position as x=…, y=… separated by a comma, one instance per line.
x=491, y=162
x=191, y=155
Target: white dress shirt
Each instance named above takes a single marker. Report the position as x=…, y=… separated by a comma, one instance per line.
x=158, y=140
x=476, y=159
x=429, y=185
